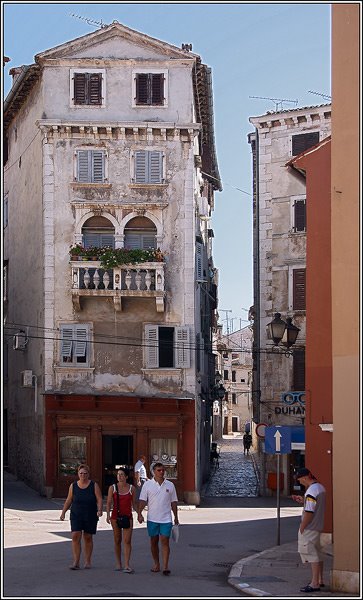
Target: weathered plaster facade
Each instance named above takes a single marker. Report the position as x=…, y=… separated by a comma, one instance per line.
x=51, y=208
x=279, y=259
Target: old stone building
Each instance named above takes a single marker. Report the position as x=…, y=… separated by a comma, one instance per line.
x=279, y=242
x=110, y=177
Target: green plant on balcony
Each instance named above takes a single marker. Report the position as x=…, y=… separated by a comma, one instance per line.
x=76, y=251
x=113, y=257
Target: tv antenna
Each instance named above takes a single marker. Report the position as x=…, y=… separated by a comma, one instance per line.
x=318, y=94
x=89, y=21
x=278, y=101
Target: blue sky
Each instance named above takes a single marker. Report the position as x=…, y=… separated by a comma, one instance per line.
x=275, y=50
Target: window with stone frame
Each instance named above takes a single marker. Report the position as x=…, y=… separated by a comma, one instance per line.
x=87, y=88
x=90, y=166
x=167, y=347
x=75, y=345
x=150, y=89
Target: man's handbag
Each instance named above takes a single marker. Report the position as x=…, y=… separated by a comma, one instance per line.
x=123, y=522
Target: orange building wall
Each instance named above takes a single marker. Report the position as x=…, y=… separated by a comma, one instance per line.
x=318, y=358
x=346, y=273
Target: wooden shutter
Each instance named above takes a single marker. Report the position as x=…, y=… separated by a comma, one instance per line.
x=157, y=88
x=141, y=169
x=80, y=341
x=142, y=85
x=67, y=341
x=304, y=141
x=107, y=239
x=83, y=171
x=98, y=175
x=182, y=347
x=80, y=95
x=299, y=370
x=152, y=346
x=148, y=241
x=299, y=289
x=95, y=88
x=300, y=215
x=155, y=164
x=199, y=261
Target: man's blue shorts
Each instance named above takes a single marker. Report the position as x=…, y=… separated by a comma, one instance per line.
x=154, y=529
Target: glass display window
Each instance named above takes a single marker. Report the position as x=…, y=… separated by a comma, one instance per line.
x=72, y=453
x=164, y=450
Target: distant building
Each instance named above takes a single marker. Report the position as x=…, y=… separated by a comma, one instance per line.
x=279, y=247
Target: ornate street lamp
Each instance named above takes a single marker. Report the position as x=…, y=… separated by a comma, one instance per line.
x=290, y=334
x=277, y=329
x=283, y=332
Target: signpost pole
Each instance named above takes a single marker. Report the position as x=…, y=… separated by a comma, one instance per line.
x=278, y=499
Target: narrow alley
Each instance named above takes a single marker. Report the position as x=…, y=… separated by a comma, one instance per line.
x=236, y=473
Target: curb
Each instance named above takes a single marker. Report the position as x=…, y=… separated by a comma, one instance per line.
x=235, y=579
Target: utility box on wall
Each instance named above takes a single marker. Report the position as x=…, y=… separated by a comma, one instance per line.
x=27, y=378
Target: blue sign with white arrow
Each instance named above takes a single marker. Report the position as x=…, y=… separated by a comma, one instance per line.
x=278, y=440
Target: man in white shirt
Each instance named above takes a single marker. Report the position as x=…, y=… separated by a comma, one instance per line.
x=159, y=495
x=311, y=526
x=140, y=475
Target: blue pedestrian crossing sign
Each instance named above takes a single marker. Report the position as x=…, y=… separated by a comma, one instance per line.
x=278, y=440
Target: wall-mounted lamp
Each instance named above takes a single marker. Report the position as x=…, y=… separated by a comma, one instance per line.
x=283, y=332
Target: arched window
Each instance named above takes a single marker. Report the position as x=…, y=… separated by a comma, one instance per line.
x=140, y=233
x=97, y=232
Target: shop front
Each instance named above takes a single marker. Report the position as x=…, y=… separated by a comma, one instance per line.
x=108, y=432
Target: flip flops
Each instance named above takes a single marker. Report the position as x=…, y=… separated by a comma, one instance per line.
x=166, y=572
x=308, y=589
x=128, y=570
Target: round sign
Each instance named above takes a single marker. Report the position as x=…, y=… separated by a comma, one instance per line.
x=260, y=429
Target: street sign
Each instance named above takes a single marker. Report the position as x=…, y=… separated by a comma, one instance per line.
x=260, y=429
x=278, y=440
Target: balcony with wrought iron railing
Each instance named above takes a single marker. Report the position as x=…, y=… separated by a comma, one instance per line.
x=143, y=280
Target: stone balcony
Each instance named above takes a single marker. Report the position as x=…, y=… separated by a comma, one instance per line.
x=143, y=280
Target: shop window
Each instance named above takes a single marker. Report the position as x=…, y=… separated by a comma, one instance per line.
x=164, y=450
x=72, y=453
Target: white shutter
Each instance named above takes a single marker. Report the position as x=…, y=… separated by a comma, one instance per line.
x=67, y=339
x=155, y=166
x=107, y=239
x=199, y=261
x=91, y=240
x=148, y=241
x=81, y=341
x=182, y=347
x=132, y=241
x=98, y=166
x=83, y=171
x=152, y=346
x=141, y=166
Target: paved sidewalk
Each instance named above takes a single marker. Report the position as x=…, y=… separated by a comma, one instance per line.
x=279, y=572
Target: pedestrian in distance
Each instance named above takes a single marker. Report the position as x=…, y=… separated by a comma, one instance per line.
x=159, y=495
x=85, y=500
x=121, y=499
x=311, y=526
x=247, y=441
x=140, y=475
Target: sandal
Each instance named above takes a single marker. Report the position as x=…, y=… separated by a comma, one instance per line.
x=166, y=572
x=128, y=570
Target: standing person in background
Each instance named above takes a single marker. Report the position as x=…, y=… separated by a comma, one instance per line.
x=121, y=499
x=247, y=441
x=85, y=499
x=140, y=474
x=160, y=497
x=311, y=526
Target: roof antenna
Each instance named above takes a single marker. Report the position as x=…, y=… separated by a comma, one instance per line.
x=89, y=21
x=318, y=94
x=278, y=101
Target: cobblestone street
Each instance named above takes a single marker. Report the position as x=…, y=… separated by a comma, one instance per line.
x=236, y=475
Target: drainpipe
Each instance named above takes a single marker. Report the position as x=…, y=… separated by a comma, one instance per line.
x=256, y=392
